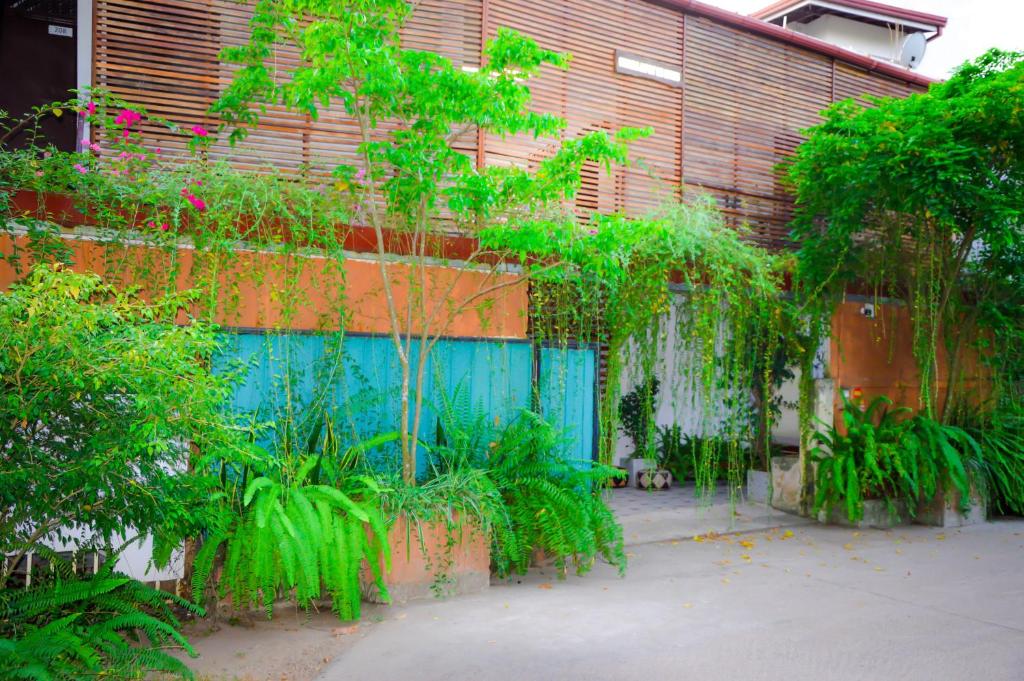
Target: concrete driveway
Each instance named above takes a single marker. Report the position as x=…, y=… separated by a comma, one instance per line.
x=807, y=602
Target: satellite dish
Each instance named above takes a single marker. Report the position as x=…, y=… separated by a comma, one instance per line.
x=912, y=50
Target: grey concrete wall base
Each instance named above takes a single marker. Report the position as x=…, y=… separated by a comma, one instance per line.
x=786, y=483
x=758, y=486
x=943, y=509
x=876, y=514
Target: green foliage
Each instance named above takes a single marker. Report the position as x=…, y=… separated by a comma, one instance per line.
x=636, y=415
x=412, y=110
x=106, y=624
x=517, y=484
x=296, y=523
x=886, y=454
x=101, y=396
x=553, y=503
x=921, y=198
x=632, y=284
x=999, y=432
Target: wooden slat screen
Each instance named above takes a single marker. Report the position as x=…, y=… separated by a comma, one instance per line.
x=744, y=99
x=592, y=96
x=163, y=54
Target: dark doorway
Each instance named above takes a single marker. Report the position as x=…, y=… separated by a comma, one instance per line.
x=38, y=64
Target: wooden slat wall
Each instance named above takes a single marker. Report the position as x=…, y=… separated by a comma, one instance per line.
x=591, y=96
x=744, y=99
x=163, y=54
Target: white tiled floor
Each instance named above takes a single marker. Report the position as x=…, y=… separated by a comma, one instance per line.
x=677, y=513
x=629, y=501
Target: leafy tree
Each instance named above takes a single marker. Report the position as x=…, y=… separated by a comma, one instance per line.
x=921, y=197
x=410, y=182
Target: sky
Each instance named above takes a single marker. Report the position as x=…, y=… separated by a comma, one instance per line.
x=974, y=26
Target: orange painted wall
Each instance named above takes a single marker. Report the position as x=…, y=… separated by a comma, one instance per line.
x=877, y=356
x=266, y=290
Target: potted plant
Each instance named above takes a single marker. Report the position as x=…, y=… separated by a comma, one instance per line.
x=636, y=419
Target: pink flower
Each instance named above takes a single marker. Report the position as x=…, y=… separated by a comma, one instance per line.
x=150, y=223
x=86, y=141
x=592, y=231
x=95, y=147
x=164, y=227
x=199, y=131
x=127, y=118
x=157, y=150
x=80, y=168
x=198, y=204
x=360, y=175
x=39, y=173
x=91, y=108
x=184, y=191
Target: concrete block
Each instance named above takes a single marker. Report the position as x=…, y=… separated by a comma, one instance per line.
x=758, y=486
x=943, y=509
x=786, y=483
x=876, y=514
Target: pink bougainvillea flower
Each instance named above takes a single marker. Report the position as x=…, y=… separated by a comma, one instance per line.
x=80, y=168
x=86, y=141
x=128, y=118
x=199, y=131
x=91, y=108
x=157, y=150
x=95, y=147
x=184, y=191
x=199, y=204
x=150, y=223
x=164, y=227
x=360, y=175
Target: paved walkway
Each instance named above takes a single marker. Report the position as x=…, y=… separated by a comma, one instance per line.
x=809, y=602
x=677, y=513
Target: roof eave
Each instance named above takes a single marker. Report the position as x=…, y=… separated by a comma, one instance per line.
x=799, y=39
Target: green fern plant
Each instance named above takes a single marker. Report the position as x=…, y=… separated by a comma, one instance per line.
x=551, y=503
x=300, y=525
x=107, y=624
x=889, y=455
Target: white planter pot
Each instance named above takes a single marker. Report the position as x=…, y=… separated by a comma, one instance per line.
x=635, y=466
x=758, y=486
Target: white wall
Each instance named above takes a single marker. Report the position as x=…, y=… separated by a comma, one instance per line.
x=874, y=41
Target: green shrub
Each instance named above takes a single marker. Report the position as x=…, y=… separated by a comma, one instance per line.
x=888, y=455
x=999, y=433
x=104, y=404
x=677, y=453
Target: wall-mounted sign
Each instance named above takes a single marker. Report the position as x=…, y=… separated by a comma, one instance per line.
x=633, y=65
x=62, y=31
